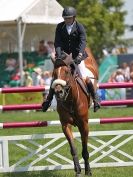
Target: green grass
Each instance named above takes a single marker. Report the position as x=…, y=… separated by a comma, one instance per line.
x=97, y=172
x=103, y=172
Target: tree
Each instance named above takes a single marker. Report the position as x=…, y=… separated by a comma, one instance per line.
x=103, y=20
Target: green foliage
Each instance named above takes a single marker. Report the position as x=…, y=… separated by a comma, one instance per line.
x=65, y=3
x=103, y=20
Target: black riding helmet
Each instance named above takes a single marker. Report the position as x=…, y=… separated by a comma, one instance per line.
x=69, y=12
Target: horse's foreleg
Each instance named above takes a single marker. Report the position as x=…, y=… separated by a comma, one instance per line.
x=68, y=133
x=85, y=154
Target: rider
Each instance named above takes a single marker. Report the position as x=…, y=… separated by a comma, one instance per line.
x=70, y=37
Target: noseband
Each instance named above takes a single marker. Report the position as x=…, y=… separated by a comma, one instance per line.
x=66, y=87
x=65, y=84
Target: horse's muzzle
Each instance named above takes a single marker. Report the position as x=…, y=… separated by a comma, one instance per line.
x=59, y=91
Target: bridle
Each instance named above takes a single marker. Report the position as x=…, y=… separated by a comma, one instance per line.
x=66, y=86
x=66, y=101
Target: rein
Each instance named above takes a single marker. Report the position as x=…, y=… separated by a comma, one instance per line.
x=67, y=92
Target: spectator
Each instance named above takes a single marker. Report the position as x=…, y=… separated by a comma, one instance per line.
x=28, y=82
x=47, y=77
x=131, y=89
x=119, y=77
x=51, y=49
x=105, y=52
x=15, y=79
x=10, y=64
x=131, y=77
x=112, y=77
x=42, y=49
x=126, y=71
x=131, y=67
x=37, y=77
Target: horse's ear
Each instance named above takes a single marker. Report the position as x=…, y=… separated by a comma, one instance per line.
x=70, y=55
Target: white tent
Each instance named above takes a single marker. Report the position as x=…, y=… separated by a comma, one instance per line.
x=30, y=11
x=33, y=16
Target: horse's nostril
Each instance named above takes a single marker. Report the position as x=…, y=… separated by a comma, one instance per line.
x=60, y=91
x=58, y=88
x=59, y=94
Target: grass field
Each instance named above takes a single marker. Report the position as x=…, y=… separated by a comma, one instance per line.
x=100, y=172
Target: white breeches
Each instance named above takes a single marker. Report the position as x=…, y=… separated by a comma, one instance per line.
x=85, y=72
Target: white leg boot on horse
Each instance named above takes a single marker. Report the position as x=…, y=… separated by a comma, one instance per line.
x=94, y=96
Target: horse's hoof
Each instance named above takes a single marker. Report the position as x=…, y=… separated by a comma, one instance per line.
x=88, y=173
x=78, y=175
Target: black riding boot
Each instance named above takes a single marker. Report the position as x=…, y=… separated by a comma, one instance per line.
x=94, y=96
x=46, y=104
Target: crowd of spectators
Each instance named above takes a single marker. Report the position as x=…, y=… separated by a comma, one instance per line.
x=38, y=75
x=35, y=73
x=122, y=74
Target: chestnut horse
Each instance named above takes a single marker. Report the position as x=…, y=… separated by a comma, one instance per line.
x=72, y=107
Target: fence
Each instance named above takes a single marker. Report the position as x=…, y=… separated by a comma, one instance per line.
x=39, y=152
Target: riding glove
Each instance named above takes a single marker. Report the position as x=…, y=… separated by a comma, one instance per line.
x=58, y=52
x=78, y=59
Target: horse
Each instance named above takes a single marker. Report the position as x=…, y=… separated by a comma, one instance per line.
x=72, y=107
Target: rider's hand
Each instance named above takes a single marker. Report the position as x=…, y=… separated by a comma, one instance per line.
x=78, y=59
x=62, y=56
